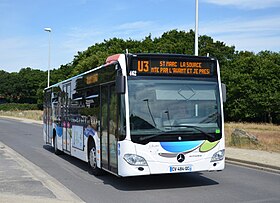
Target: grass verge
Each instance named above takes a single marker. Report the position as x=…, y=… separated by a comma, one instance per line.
x=30, y=114
x=267, y=134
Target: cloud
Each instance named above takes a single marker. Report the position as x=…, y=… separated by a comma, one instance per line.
x=253, y=34
x=21, y=52
x=248, y=42
x=245, y=34
x=18, y=52
x=80, y=38
x=247, y=4
x=138, y=25
x=257, y=25
x=134, y=30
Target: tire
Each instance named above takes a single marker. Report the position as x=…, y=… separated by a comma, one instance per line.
x=92, y=163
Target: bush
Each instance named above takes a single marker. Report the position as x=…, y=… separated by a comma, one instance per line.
x=17, y=107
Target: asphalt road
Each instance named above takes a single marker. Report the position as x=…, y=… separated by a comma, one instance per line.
x=234, y=184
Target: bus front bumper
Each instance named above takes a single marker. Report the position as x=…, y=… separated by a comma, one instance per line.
x=153, y=167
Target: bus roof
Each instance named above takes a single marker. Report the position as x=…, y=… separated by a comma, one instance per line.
x=115, y=57
x=69, y=79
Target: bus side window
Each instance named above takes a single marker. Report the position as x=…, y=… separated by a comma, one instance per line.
x=90, y=110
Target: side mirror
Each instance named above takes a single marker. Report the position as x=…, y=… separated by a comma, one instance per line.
x=224, y=92
x=120, y=84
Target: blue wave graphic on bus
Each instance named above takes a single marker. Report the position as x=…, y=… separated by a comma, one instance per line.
x=176, y=147
x=89, y=131
x=59, y=131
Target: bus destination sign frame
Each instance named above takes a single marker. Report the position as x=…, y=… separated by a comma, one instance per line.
x=169, y=67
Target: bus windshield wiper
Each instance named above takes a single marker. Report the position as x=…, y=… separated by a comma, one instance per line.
x=162, y=133
x=149, y=109
x=194, y=127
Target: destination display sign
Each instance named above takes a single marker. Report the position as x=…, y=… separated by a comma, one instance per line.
x=172, y=67
x=90, y=79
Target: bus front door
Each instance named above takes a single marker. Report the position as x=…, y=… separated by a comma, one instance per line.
x=108, y=128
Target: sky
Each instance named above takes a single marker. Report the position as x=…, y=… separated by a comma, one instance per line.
x=249, y=25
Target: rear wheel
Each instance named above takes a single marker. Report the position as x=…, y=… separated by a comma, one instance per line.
x=92, y=162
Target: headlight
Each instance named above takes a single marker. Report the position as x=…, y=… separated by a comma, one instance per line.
x=218, y=156
x=135, y=160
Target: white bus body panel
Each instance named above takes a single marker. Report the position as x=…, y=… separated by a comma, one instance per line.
x=78, y=143
x=161, y=161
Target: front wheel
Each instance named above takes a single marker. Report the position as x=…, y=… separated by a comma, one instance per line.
x=93, y=169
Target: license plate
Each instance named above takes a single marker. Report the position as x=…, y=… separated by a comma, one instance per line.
x=180, y=169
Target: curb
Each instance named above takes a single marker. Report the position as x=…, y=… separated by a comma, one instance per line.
x=254, y=165
x=61, y=193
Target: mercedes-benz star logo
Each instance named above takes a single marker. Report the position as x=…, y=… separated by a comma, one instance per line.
x=180, y=158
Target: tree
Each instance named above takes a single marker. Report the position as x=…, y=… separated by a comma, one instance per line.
x=253, y=80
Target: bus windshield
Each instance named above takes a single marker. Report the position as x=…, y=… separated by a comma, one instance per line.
x=166, y=106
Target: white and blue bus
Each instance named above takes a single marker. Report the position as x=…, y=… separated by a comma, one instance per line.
x=140, y=114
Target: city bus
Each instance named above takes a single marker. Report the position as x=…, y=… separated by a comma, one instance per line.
x=140, y=114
